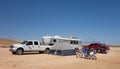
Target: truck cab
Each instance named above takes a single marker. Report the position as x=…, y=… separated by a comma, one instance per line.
x=31, y=45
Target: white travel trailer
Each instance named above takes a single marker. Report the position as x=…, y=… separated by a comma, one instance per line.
x=62, y=46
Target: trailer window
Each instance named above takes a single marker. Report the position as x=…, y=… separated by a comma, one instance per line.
x=54, y=40
x=74, y=42
x=71, y=42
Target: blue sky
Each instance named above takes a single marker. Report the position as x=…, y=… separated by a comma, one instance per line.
x=89, y=20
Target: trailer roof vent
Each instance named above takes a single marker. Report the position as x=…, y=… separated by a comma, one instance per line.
x=71, y=37
x=56, y=36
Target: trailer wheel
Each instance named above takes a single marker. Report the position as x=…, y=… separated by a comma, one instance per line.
x=40, y=52
x=19, y=51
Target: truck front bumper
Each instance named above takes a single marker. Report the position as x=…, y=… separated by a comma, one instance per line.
x=12, y=49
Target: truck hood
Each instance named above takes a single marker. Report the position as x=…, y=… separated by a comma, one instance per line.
x=17, y=45
x=107, y=46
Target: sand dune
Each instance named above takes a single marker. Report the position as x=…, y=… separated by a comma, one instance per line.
x=4, y=43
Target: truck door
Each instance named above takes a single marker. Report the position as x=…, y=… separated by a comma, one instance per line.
x=36, y=46
x=94, y=46
x=29, y=46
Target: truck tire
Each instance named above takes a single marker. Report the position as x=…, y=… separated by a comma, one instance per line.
x=106, y=51
x=19, y=51
x=98, y=51
x=47, y=50
x=13, y=53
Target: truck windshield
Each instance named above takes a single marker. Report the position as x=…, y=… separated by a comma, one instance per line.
x=24, y=42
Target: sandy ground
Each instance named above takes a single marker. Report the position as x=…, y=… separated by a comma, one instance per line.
x=44, y=61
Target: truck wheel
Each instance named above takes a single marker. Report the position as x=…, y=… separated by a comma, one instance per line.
x=19, y=52
x=40, y=52
x=14, y=53
x=106, y=51
x=98, y=51
x=47, y=51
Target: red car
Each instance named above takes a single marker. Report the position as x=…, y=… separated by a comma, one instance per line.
x=98, y=47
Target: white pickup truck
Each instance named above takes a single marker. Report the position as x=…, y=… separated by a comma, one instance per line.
x=29, y=46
